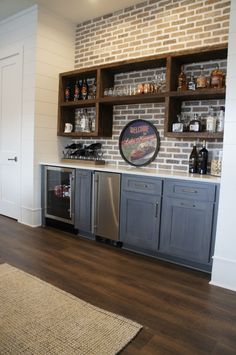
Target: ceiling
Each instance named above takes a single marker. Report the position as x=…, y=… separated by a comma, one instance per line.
x=74, y=10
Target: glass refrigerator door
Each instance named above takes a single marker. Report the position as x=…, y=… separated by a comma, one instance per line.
x=59, y=194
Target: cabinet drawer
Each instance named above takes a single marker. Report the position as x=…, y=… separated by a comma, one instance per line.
x=194, y=191
x=142, y=184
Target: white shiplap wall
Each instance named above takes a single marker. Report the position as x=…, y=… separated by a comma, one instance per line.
x=224, y=264
x=55, y=54
x=20, y=31
x=48, y=45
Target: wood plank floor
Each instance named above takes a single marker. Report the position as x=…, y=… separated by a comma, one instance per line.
x=181, y=313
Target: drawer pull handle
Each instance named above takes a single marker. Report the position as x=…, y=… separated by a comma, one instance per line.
x=187, y=205
x=192, y=191
x=141, y=185
x=156, y=212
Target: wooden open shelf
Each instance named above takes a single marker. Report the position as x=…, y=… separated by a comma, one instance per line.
x=105, y=76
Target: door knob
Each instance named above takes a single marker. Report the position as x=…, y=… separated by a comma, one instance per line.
x=15, y=159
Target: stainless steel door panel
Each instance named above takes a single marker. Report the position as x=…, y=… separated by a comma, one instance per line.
x=106, y=205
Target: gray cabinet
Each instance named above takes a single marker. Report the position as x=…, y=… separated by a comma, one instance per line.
x=140, y=213
x=188, y=222
x=83, y=202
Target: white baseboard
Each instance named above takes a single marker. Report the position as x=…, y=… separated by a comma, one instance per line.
x=31, y=216
x=224, y=273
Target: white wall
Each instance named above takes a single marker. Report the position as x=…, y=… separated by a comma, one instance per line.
x=55, y=54
x=224, y=261
x=21, y=30
x=48, y=46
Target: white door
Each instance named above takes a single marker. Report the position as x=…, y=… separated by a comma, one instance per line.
x=10, y=132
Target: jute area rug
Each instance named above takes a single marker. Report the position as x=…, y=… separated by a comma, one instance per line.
x=38, y=318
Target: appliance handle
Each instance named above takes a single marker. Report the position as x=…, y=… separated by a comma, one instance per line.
x=94, y=203
x=71, y=178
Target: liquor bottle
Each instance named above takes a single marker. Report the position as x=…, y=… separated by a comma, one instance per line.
x=201, y=80
x=84, y=90
x=93, y=123
x=193, y=160
x=220, y=120
x=217, y=78
x=78, y=120
x=182, y=80
x=191, y=83
x=80, y=89
x=67, y=93
x=211, y=121
x=202, y=159
x=195, y=124
x=76, y=91
x=94, y=89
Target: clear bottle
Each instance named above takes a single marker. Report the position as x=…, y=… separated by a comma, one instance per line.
x=193, y=160
x=93, y=123
x=220, y=120
x=201, y=80
x=78, y=120
x=202, y=159
x=216, y=163
x=211, y=121
x=191, y=83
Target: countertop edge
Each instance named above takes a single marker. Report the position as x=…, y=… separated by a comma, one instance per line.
x=139, y=171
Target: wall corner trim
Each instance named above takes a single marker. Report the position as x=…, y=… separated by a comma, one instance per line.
x=224, y=273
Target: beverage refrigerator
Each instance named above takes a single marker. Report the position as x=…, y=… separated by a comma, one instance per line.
x=59, y=194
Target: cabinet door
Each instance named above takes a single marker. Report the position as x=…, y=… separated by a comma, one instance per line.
x=186, y=229
x=140, y=215
x=83, y=199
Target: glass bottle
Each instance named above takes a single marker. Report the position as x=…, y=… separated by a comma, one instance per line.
x=78, y=120
x=202, y=159
x=182, y=80
x=84, y=90
x=93, y=123
x=67, y=93
x=220, y=120
x=94, y=89
x=201, y=80
x=193, y=160
x=211, y=121
x=76, y=91
x=195, y=124
x=217, y=78
x=216, y=163
x=191, y=83
x=87, y=121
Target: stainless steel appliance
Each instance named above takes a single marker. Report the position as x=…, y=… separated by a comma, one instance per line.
x=59, y=194
x=106, y=205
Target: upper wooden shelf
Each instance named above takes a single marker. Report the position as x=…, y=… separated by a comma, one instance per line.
x=133, y=99
x=106, y=77
x=195, y=135
x=79, y=103
x=200, y=94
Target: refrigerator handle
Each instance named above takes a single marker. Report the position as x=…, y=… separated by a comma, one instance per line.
x=94, y=203
x=71, y=178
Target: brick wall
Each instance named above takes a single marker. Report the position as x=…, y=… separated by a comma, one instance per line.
x=152, y=27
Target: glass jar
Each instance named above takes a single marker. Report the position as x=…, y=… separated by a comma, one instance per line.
x=216, y=163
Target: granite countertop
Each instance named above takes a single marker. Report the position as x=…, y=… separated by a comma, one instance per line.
x=137, y=171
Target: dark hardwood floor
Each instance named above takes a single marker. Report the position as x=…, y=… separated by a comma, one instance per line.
x=180, y=312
